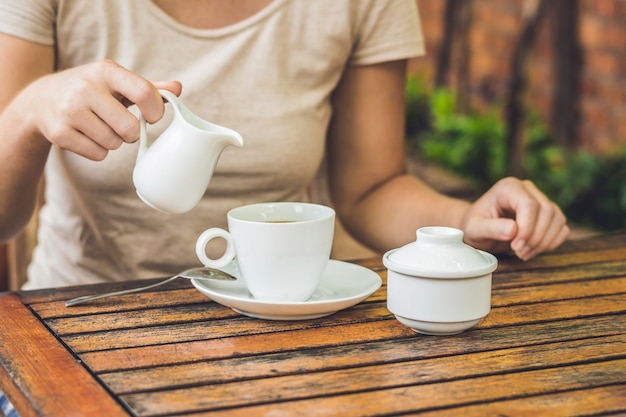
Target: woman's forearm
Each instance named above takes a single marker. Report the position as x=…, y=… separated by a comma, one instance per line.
x=23, y=150
x=389, y=215
x=23, y=155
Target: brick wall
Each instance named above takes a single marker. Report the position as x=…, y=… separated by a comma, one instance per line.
x=495, y=30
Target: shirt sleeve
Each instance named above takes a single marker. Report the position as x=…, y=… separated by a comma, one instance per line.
x=387, y=31
x=32, y=20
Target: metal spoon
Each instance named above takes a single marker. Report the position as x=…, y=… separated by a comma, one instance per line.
x=193, y=273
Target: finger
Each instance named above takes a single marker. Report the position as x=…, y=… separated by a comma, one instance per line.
x=500, y=229
x=174, y=86
x=524, y=202
x=533, y=212
x=548, y=221
x=539, y=231
x=113, y=113
x=553, y=234
x=549, y=230
x=137, y=90
x=490, y=234
x=65, y=133
x=560, y=237
x=76, y=142
x=94, y=128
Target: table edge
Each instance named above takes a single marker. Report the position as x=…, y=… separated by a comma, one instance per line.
x=29, y=376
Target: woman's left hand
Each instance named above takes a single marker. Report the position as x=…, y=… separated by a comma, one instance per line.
x=515, y=214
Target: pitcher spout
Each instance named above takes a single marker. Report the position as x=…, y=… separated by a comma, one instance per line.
x=227, y=136
x=236, y=139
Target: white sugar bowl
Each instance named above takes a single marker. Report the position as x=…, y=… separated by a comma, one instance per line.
x=439, y=285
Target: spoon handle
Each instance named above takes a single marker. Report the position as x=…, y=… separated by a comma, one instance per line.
x=86, y=298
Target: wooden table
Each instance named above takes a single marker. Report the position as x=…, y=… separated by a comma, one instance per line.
x=553, y=344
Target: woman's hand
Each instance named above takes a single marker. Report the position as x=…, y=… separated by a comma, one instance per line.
x=515, y=214
x=83, y=109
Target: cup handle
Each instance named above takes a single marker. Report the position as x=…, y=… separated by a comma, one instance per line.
x=205, y=238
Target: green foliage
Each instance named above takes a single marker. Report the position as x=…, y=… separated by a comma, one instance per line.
x=468, y=144
x=591, y=189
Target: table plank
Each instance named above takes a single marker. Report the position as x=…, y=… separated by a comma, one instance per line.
x=183, y=332
x=557, y=310
x=359, y=391
x=183, y=294
x=36, y=364
x=141, y=317
x=606, y=400
x=561, y=291
x=378, y=336
x=560, y=274
x=158, y=355
x=376, y=361
x=601, y=248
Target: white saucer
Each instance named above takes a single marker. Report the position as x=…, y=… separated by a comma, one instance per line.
x=343, y=285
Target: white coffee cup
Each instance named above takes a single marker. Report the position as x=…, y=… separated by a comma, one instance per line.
x=282, y=248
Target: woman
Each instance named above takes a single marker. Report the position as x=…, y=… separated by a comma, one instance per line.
x=302, y=81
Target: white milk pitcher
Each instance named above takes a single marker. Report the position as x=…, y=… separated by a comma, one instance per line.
x=173, y=173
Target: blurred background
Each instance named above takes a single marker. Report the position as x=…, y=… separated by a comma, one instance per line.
x=531, y=88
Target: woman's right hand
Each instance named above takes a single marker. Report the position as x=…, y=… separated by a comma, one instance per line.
x=81, y=110
x=84, y=109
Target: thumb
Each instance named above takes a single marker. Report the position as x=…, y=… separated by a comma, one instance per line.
x=489, y=229
x=174, y=86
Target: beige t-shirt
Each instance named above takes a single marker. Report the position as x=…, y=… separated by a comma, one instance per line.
x=269, y=77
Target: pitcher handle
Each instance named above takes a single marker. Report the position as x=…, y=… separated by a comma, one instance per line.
x=143, y=137
x=143, y=133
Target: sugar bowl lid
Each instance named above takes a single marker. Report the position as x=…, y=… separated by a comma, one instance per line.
x=439, y=252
